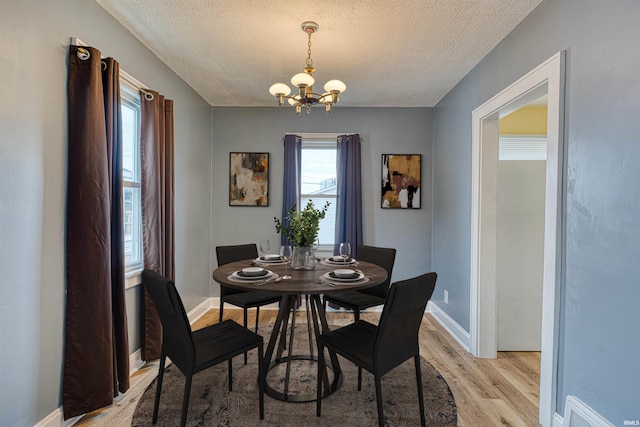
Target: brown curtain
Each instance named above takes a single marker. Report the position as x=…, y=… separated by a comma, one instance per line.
x=157, y=206
x=96, y=353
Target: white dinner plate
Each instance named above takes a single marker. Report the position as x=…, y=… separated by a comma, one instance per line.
x=264, y=260
x=334, y=278
x=339, y=261
x=240, y=275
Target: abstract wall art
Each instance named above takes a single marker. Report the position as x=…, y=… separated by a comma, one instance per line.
x=401, y=181
x=248, y=179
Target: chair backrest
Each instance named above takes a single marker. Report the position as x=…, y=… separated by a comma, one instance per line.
x=397, y=336
x=385, y=258
x=228, y=254
x=177, y=342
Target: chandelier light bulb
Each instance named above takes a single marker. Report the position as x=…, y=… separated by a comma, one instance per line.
x=335, y=86
x=279, y=89
x=302, y=80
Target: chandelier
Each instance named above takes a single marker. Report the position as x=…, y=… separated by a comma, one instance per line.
x=304, y=82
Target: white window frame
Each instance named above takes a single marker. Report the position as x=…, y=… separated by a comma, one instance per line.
x=130, y=96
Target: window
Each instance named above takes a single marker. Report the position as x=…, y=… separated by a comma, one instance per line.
x=522, y=147
x=132, y=205
x=318, y=183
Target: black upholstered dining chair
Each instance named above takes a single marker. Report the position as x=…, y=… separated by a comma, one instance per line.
x=244, y=299
x=369, y=297
x=195, y=351
x=379, y=349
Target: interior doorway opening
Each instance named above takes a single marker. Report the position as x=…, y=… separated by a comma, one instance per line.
x=547, y=78
x=522, y=156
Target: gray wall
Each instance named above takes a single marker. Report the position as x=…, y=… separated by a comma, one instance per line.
x=33, y=154
x=600, y=331
x=383, y=130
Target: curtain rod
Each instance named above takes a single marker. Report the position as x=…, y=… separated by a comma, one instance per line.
x=319, y=135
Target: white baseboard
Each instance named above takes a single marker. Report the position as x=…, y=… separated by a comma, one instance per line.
x=454, y=329
x=557, y=420
x=135, y=361
x=201, y=309
x=578, y=413
x=55, y=419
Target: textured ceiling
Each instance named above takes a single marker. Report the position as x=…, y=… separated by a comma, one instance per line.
x=390, y=53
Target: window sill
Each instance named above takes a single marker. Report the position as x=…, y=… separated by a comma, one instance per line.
x=132, y=279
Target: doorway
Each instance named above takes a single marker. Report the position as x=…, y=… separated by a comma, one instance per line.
x=522, y=156
x=547, y=78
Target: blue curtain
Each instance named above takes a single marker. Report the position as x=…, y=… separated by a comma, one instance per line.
x=291, y=184
x=349, y=198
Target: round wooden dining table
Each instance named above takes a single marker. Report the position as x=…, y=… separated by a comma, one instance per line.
x=310, y=284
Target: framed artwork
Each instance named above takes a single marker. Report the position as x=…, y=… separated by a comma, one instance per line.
x=401, y=181
x=248, y=179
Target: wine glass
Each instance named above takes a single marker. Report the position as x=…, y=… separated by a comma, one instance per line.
x=265, y=246
x=285, y=253
x=345, y=251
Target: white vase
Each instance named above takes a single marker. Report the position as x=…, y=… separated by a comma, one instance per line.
x=303, y=258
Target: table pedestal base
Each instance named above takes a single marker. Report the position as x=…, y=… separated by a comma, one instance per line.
x=315, y=310
x=301, y=398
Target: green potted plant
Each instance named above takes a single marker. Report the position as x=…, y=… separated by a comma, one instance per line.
x=302, y=231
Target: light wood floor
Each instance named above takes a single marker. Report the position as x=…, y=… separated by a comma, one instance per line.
x=488, y=392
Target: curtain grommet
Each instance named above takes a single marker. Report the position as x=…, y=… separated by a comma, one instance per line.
x=83, y=54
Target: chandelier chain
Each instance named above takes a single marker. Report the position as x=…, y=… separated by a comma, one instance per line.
x=309, y=60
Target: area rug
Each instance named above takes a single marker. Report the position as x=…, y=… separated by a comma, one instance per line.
x=212, y=404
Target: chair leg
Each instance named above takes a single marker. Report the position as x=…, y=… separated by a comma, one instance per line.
x=257, y=317
x=221, y=308
x=261, y=381
x=185, y=400
x=156, y=404
x=356, y=314
x=231, y=374
x=379, y=401
x=245, y=325
x=309, y=323
x=321, y=368
x=419, y=381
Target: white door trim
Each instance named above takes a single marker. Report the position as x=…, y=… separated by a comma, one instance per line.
x=484, y=219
